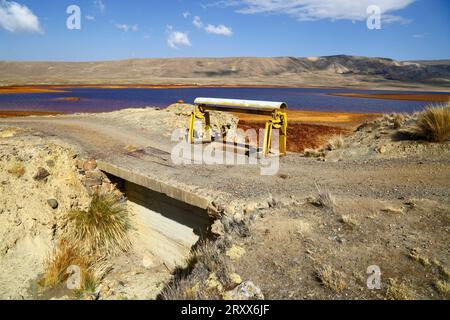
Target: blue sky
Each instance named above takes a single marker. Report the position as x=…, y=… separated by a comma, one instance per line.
x=115, y=29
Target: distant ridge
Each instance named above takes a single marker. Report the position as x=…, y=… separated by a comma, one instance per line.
x=339, y=70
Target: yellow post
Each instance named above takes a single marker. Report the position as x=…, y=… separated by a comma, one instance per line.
x=208, y=126
x=191, y=128
x=283, y=133
x=267, y=138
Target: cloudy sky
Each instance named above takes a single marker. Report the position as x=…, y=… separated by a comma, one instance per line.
x=116, y=29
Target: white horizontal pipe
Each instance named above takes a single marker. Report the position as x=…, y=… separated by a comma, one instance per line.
x=245, y=104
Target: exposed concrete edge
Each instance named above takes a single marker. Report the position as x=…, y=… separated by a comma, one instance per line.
x=155, y=185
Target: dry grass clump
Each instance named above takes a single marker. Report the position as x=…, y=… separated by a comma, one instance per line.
x=348, y=220
x=102, y=229
x=443, y=287
x=313, y=153
x=57, y=263
x=398, y=291
x=17, y=170
x=423, y=260
x=331, y=279
x=324, y=198
x=206, y=276
x=434, y=123
x=335, y=143
x=398, y=120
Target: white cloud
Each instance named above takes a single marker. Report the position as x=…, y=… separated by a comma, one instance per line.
x=197, y=22
x=90, y=18
x=310, y=10
x=127, y=27
x=15, y=17
x=220, y=30
x=186, y=14
x=421, y=35
x=177, y=38
x=100, y=5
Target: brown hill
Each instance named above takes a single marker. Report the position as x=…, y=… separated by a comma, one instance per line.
x=316, y=71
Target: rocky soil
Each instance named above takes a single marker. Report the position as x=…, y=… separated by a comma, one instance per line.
x=376, y=197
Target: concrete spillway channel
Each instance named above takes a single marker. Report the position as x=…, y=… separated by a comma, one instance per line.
x=167, y=221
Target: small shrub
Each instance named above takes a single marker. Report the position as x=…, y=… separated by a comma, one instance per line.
x=191, y=283
x=443, y=287
x=423, y=260
x=331, y=279
x=336, y=143
x=348, y=220
x=55, y=265
x=312, y=153
x=324, y=198
x=434, y=123
x=398, y=291
x=103, y=227
x=399, y=120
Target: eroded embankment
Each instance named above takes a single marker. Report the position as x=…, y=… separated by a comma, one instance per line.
x=42, y=180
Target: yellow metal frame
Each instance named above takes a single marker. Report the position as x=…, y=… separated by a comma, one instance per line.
x=278, y=121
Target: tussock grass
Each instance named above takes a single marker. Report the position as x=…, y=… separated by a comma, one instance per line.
x=331, y=279
x=335, y=143
x=398, y=120
x=443, y=287
x=399, y=291
x=434, y=123
x=423, y=260
x=206, y=264
x=324, y=198
x=102, y=229
x=57, y=263
x=348, y=220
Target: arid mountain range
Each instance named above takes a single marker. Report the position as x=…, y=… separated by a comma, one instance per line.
x=335, y=71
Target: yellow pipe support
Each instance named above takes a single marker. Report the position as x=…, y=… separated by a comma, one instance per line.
x=278, y=121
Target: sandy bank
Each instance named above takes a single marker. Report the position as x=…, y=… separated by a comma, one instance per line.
x=406, y=96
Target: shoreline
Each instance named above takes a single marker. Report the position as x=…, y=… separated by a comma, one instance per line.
x=61, y=88
x=436, y=97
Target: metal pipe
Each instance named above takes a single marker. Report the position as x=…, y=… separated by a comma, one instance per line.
x=243, y=104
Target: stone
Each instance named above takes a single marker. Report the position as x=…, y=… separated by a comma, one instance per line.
x=235, y=252
x=53, y=203
x=250, y=208
x=92, y=182
x=90, y=165
x=217, y=228
x=147, y=262
x=245, y=291
x=381, y=150
x=41, y=174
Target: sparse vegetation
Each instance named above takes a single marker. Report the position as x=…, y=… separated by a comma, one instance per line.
x=398, y=120
x=443, y=287
x=206, y=275
x=102, y=229
x=423, y=260
x=331, y=279
x=324, y=198
x=335, y=143
x=17, y=170
x=348, y=220
x=63, y=256
x=398, y=291
x=312, y=153
x=434, y=123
